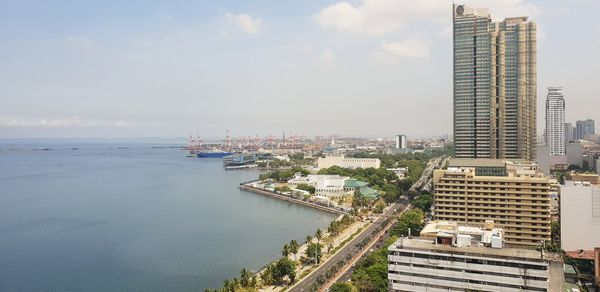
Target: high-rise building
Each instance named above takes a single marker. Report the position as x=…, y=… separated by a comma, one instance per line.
x=569, y=133
x=555, y=121
x=401, y=142
x=495, y=84
x=584, y=129
x=514, y=194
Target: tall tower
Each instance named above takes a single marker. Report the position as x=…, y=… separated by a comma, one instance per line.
x=495, y=83
x=555, y=121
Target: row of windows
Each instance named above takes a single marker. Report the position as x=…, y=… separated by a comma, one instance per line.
x=487, y=272
x=454, y=258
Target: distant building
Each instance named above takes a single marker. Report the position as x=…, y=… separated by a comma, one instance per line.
x=494, y=89
x=555, y=121
x=517, y=198
x=331, y=186
x=334, y=186
x=580, y=215
x=350, y=162
x=584, y=128
x=543, y=158
x=401, y=142
x=569, y=133
x=575, y=153
x=471, y=260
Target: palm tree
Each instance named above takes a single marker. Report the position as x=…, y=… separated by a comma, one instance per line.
x=286, y=250
x=319, y=235
x=294, y=247
x=308, y=239
x=245, y=277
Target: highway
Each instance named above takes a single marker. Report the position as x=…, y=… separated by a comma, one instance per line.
x=352, y=248
x=347, y=252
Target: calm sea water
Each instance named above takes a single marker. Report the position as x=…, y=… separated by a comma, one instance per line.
x=104, y=218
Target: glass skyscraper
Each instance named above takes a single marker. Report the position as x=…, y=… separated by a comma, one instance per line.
x=494, y=85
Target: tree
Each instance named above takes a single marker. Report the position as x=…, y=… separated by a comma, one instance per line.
x=283, y=189
x=245, y=277
x=308, y=239
x=314, y=252
x=307, y=188
x=343, y=287
x=294, y=247
x=284, y=267
x=423, y=202
x=286, y=250
x=379, y=206
x=319, y=234
x=412, y=219
x=555, y=231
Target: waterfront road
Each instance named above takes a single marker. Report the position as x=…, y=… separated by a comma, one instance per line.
x=349, y=250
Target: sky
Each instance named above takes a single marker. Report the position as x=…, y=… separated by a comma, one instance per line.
x=371, y=68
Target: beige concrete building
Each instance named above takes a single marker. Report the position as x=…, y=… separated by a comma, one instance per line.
x=518, y=201
x=347, y=162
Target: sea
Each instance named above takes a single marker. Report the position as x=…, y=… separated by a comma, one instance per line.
x=107, y=214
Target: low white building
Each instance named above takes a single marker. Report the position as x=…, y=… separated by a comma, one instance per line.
x=579, y=216
x=344, y=162
x=418, y=264
x=331, y=186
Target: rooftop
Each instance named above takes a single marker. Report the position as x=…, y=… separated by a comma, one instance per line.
x=506, y=253
x=354, y=183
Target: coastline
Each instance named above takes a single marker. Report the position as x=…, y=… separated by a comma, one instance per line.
x=247, y=187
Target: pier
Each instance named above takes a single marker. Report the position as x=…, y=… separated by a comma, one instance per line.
x=247, y=187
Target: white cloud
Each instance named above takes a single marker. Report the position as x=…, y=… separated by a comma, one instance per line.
x=409, y=48
x=379, y=17
x=328, y=55
x=245, y=22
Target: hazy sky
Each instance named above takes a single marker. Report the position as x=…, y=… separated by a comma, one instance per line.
x=163, y=68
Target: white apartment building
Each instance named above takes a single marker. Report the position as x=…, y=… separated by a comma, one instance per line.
x=331, y=186
x=555, y=121
x=401, y=142
x=579, y=216
x=341, y=161
x=417, y=264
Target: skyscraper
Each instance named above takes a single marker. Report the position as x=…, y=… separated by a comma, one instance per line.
x=569, y=133
x=401, y=142
x=495, y=83
x=555, y=121
x=584, y=128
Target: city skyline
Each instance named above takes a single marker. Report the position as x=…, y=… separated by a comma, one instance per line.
x=161, y=70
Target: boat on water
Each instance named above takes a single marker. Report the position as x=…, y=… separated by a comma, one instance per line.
x=214, y=153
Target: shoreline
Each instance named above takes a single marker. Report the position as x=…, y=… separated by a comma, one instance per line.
x=246, y=187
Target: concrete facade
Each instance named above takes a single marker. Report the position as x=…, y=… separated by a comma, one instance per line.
x=341, y=161
x=519, y=202
x=416, y=264
x=580, y=216
x=555, y=121
x=495, y=85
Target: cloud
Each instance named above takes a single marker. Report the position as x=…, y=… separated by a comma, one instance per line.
x=328, y=55
x=379, y=17
x=409, y=48
x=245, y=22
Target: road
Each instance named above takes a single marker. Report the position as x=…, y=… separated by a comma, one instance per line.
x=349, y=250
